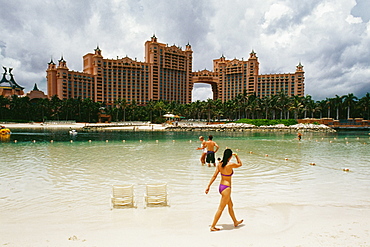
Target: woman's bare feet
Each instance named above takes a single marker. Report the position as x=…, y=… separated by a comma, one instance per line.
x=238, y=223
x=213, y=229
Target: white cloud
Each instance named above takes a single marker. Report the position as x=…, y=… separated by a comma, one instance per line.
x=352, y=20
x=330, y=37
x=202, y=92
x=276, y=12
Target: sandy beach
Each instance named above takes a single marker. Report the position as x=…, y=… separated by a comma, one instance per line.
x=274, y=225
x=79, y=126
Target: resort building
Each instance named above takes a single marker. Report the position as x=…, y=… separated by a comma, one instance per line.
x=36, y=93
x=9, y=87
x=166, y=74
x=230, y=78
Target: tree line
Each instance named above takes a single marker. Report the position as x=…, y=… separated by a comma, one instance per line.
x=280, y=106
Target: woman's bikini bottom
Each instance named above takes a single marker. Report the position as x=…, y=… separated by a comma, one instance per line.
x=222, y=187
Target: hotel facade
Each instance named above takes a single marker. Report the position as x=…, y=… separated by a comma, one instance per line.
x=167, y=75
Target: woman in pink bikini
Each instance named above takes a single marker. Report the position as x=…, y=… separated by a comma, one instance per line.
x=225, y=167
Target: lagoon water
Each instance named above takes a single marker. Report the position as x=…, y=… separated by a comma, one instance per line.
x=70, y=181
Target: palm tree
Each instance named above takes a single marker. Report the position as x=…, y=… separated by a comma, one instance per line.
x=246, y=104
x=218, y=108
x=90, y=110
x=296, y=105
x=198, y=109
x=337, y=102
x=160, y=106
x=266, y=103
x=68, y=109
x=20, y=107
x=283, y=102
x=274, y=105
x=321, y=105
x=239, y=100
x=229, y=108
x=133, y=107
x=365, y=105
x=251, y=103
x=310, y=104
x=117, y=106
x=329, y=103
x=210, y=106
x=150, y=106
x=4, y=103
x=43, y=106
x=349, y=100
x=55, y=105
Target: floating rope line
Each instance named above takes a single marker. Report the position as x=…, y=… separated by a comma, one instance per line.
x=312, y=163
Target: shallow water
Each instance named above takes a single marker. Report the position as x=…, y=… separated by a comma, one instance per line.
x=40, y=178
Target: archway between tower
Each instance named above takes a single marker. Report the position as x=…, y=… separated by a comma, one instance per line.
x=207, y=77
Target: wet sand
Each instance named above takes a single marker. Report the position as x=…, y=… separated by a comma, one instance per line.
x=274, y=225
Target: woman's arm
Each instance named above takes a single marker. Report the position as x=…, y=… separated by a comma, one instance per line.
x=238, y=162
x=212, y=179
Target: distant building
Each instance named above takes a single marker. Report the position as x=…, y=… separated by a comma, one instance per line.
x=166, y=74
x=36, y=93
x=233, y=77
x=9, y=87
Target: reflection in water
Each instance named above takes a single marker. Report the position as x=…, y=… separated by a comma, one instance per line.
x=59, y=178
x=4, y=138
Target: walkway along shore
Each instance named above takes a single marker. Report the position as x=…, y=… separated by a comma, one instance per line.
x=249, y=127
x=188, y=126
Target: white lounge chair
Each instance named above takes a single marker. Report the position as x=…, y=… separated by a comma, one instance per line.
x=156, y=195
x=122, y=196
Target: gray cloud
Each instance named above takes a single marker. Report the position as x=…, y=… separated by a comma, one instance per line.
x=330, y=38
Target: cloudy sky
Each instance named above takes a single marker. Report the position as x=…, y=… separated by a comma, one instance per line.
x=331, y=38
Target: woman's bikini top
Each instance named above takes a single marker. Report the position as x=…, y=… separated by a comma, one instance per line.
x=228, y=175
